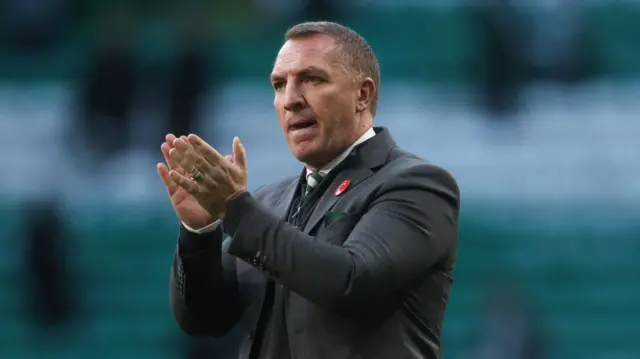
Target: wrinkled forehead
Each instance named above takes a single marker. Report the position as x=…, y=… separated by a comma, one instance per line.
x=313, y=51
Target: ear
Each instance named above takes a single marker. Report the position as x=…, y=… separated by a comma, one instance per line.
x=366, y=94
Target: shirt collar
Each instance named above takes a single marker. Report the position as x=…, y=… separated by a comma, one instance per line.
x=336, y=161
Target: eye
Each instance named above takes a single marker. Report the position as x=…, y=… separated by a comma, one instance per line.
x=278, y=85
x=314, y=79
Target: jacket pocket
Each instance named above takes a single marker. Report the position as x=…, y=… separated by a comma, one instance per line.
x=337, y=231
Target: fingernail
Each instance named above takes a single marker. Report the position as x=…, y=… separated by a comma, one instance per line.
x=193, y=139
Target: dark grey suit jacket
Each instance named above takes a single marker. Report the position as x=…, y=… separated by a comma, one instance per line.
x=372, y=284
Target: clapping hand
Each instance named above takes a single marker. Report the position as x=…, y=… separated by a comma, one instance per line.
x=207, y=176
x=187, y=208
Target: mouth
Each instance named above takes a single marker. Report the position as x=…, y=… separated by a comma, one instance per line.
x=302, y=124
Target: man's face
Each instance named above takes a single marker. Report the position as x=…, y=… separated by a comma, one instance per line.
x=315, y=99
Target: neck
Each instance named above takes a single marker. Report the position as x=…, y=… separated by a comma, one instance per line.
x=315, y=167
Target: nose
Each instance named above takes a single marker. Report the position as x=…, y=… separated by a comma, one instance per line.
x=293, y=97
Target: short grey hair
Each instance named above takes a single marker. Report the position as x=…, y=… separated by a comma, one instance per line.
x=357, y=54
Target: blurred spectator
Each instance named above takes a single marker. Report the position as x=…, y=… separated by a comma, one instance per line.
x=304, y=10
x=558, y=40
x=504, y=41
x=320, y=10
x=189, y=79
x=509, y=331
x=32, y=25
x=108, y=93
x=51, y=297
x=277, y=9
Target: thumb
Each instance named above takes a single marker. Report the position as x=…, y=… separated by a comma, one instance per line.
x=239, y=154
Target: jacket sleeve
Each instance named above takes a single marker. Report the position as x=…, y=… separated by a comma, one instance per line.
x=203, y=284
x=409, y=227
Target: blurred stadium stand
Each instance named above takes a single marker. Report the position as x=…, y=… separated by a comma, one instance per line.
x=551, y=196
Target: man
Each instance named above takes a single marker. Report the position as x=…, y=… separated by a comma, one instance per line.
x=351, y=259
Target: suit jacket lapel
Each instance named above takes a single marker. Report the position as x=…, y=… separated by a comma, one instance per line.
x=281, y=207
x=358, y=167
x=329, y=199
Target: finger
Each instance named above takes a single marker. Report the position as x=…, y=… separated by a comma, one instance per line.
x=179, y=157
x=170, y=138
x=183, y=138
x=165, y=148
x=209, y=153
x=163, y=172
x=184, y=149
x=190, y=160
x=188, y=184
x=239, y=154
x=176, y=139
x=229, y=158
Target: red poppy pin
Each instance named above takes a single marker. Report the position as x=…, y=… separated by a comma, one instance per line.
x=342, y=187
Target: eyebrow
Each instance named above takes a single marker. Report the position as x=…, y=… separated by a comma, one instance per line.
x=307, y=71
x=314, y=70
